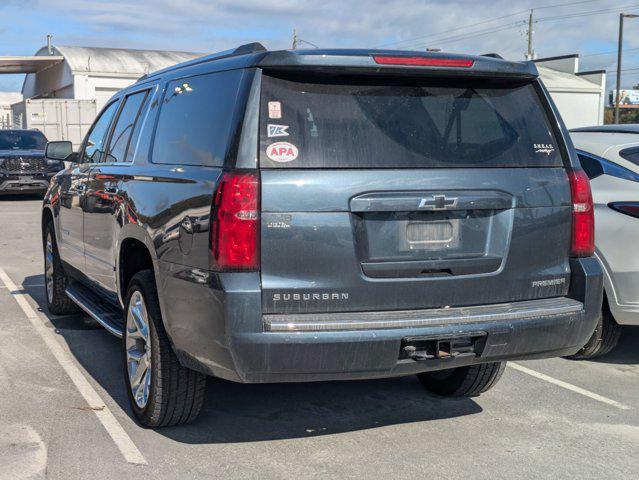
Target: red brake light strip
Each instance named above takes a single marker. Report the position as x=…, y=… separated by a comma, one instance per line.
x=424, y=61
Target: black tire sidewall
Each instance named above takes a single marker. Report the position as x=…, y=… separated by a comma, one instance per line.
x=61, y=304
x=140, y=283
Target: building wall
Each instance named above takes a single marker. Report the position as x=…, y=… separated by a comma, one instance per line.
x=6, y=100
x=579, y=109
x=99, y=87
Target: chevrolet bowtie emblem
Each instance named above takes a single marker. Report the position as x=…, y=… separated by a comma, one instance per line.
x=437, y=202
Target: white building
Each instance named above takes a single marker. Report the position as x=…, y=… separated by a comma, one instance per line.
x=6, y=100
x=89, y=73
x=579, y=96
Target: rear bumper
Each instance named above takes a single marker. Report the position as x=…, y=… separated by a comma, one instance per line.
x=240, y=347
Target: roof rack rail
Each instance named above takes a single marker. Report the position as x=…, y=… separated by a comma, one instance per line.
x=492, y=55
x=245, y=49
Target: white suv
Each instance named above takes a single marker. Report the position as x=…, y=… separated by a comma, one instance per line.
x=610, y=156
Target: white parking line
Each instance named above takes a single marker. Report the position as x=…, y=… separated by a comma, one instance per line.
x=568, y=386
x=119, y=436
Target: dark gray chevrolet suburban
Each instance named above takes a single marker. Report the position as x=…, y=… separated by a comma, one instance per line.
x=307, y=215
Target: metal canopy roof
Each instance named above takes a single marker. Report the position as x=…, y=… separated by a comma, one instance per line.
x=28, y=64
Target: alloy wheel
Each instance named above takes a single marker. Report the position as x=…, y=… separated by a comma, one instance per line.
x=138, y=349
x=48, y=267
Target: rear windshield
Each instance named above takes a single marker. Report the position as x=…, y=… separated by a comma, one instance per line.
x=357, y=124
x=11, y=140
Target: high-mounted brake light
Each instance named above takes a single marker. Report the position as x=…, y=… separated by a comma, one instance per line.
x=235, y=232
x=424, y=61
x=583, y=215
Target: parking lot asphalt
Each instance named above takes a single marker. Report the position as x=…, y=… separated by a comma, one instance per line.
x=64, y=411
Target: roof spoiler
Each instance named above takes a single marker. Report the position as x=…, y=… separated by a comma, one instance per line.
x=418, y=63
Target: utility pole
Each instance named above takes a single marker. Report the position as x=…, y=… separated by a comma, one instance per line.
x=294, y=39
x=619, y=49
x=618, y=89
x=530, y=54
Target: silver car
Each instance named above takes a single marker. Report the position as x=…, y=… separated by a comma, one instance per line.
x=610, y=156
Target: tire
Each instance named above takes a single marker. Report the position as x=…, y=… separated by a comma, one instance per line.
x=468, y=381
x=55, y=280
x=604, y=338
x=170, y=394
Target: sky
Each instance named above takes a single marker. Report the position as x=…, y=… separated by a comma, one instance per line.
x=561, y=27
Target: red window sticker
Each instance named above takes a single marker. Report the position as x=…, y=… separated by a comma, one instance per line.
x=282, y=152
x=274, y=110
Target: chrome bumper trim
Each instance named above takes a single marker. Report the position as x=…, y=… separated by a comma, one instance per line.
x=320, y=322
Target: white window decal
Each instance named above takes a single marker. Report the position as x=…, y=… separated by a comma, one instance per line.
x=282, y=152
x=277, y=130
x=274, y=110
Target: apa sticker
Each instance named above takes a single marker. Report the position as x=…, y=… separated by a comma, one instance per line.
x=546, y=148
x=277, y=130
x=274, y=110
x=282, y=152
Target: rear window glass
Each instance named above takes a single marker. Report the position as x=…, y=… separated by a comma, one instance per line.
x=195, y=119
x=357, y=124
x=12, y=140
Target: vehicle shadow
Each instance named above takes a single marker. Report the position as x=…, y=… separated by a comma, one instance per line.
x=235, y=412
x=627, y=351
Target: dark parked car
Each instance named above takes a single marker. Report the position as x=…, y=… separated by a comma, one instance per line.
x=325, y=215
x=23, y=166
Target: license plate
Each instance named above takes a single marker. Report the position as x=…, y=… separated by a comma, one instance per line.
x=432, y=235
x=24, y=179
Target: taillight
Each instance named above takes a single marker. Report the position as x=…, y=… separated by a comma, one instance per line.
x=424, y=61
x=583, y=215
x=235, y=233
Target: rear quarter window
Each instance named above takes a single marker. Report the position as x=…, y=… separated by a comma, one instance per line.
x=195, y=119
x=631, y=154
x=388, y=124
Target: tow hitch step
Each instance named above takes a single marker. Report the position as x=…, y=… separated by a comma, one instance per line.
x=106, y=314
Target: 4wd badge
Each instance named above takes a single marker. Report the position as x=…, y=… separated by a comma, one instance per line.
x=282, y=152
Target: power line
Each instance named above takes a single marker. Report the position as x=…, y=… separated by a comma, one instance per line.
x=587, y=14
x=503, y=27
x=483, y=22
x=452, y=29
x=608, y=52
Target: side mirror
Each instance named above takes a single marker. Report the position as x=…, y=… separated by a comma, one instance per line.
x=58, y=150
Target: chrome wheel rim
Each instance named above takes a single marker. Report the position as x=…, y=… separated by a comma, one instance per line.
x=48, y=267
x=138, y=349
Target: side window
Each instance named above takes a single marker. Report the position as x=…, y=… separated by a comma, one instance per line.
x=195, y=119
x=631, y=154
x=591, y=165
x=94, y=145
x=124, y=127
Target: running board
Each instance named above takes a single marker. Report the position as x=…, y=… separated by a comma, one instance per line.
x=106, y=314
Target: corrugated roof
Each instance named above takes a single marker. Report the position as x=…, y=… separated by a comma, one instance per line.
x=25, y=64
x=555, y=80
x=117, y=60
